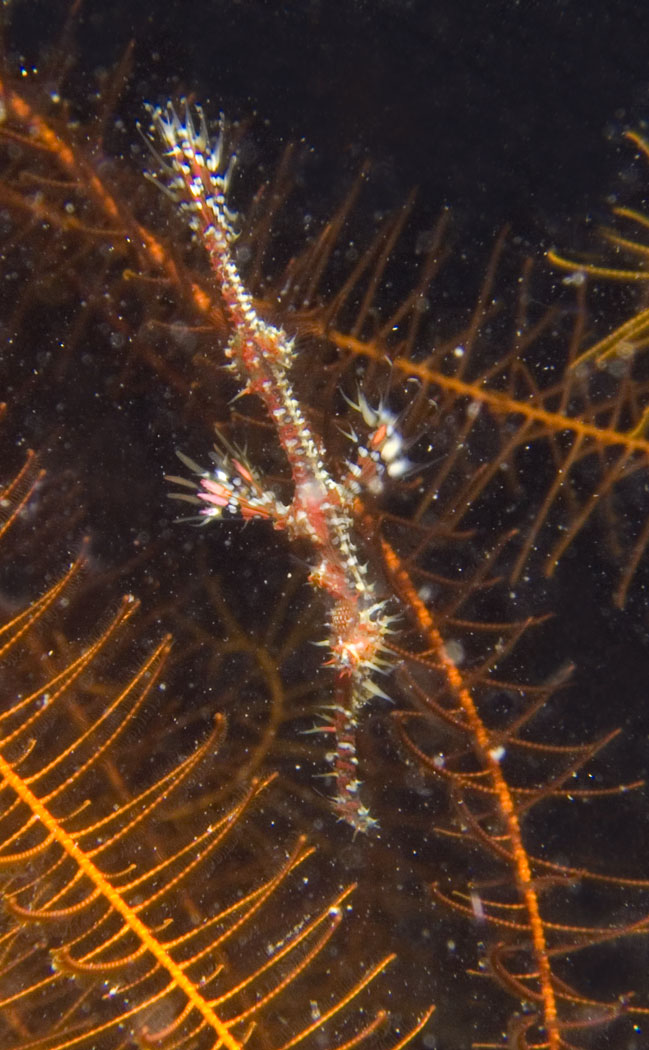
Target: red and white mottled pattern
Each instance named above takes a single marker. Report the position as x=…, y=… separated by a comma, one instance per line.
x=321, y=509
